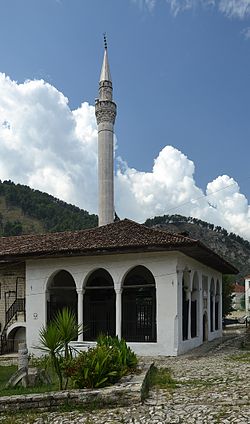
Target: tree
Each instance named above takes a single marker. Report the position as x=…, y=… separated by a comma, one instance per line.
x=227, y=290
x=243, y=302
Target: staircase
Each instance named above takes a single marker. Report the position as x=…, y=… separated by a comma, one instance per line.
x=18, y=305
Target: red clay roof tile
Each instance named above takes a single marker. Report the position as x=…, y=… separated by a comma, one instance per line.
x=120, y=236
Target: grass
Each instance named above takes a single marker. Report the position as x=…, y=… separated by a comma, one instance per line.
x=5, y=374
x=19, y=418
x=196, y=382
x=7, y=371
x=161, y=378
x=242, y=357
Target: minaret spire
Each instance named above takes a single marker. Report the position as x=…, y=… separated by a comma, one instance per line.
x=105, y=72
x=105, y=111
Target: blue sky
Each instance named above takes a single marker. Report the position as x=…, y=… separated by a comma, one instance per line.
x=181, y=77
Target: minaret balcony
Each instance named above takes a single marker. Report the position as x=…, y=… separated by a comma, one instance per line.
x=105, y=110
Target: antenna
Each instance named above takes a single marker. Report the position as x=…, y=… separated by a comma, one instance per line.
x=105, y=40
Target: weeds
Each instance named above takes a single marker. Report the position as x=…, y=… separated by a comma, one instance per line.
x=5, y=373
x=243, y=357
x=161, y=378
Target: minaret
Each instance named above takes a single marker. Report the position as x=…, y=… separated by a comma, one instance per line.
x=105, y=111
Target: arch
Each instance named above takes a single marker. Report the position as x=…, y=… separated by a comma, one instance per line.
x=212, y=294
x=186, y=287
x=139, y=305
x=194, y=305
x=16, y=335
x=99, y=305
x=61, y=290
x=205, y=327
x=204, y=291
x=217, y=305
x=14, y=326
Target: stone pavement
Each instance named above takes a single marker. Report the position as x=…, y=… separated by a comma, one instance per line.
x=211, y=388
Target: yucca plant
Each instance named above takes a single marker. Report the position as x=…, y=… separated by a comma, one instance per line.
x=68, y=329
x=54, y=339
x=51, y=343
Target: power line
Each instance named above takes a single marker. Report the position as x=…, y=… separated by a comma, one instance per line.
x=200, y=197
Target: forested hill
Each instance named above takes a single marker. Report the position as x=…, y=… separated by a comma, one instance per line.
x=229, y=245
x=24, y=211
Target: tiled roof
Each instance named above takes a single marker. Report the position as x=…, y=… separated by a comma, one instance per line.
x=238, y=288
x=118, y=237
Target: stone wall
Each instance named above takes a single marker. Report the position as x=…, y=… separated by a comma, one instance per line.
x=12, y=285
x=129, y=391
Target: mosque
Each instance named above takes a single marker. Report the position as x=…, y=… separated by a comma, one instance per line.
x=160, y=291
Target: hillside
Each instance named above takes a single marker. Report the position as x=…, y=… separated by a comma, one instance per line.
x=24, y=211
x=229, y=245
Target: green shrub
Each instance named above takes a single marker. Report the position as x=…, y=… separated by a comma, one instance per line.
x=103, y=365
x=93, y=368
x=125, y=356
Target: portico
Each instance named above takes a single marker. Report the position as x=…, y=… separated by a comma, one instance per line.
x=159, y=291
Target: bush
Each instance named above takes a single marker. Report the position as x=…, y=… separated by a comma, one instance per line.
x=125, y=356
x=103, y=365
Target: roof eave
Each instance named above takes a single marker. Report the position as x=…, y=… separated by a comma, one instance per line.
x=196, y=250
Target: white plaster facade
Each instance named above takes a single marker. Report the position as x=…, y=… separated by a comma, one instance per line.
x=168, y=269
x=247, y=294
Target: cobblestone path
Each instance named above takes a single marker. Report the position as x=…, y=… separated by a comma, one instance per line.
x=211, y=388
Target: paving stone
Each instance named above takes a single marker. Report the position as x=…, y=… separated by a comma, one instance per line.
x=212, y=389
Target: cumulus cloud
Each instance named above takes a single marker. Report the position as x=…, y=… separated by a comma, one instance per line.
x=170, y=188
x=49, y=147
x=44, y=144
x=169, y=184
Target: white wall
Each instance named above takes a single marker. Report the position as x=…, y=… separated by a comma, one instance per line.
x=186, y=263
x=166, y=267
x=247, y=293
x=162, y=266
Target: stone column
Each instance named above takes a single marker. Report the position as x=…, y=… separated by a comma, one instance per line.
x=118, y=309
x=80, y=293
x=178, y=317
x=208, y=308
x=189, y=314
x=247, y=294
x=220, y=304
x=22, y=356
x=214, y=312
x=200, y=307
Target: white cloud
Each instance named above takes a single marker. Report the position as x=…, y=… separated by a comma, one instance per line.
x=46, y=145
x=178, y=6
x=49, y=147
x=170, y=188
x=145, y=4
x=235, y=8
x=231, y=8
x=246, y=33
x=169, y=184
